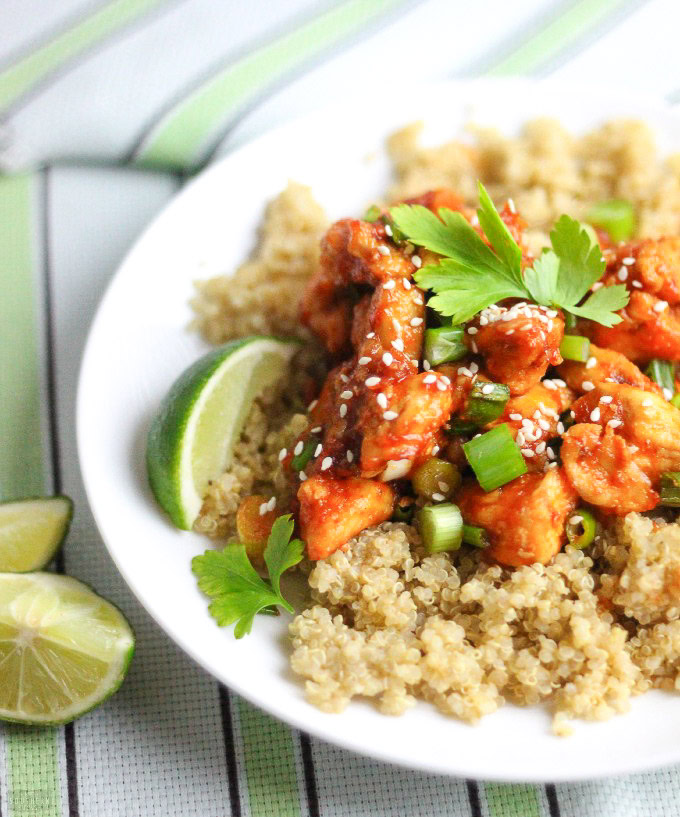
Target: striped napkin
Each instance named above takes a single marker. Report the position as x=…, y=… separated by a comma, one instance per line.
x=106, y=107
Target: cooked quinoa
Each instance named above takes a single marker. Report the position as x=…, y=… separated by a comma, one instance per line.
x=386, y=620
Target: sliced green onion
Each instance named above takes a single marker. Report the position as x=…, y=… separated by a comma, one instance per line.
x=436, y=479
x=477, y=537
x=570, y=322
x=662, y=373
x=373, y=213
x=462, y=427
x=486, y=402
x=675, y=400
x=670, y=489
x=299, y=461
x=575, y=347
x=403, y=513
x=495, y=458
x=444, y=344
x=616, y=216
x=441, y=527
x=581, y=531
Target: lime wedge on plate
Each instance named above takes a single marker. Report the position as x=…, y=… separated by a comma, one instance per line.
x=31, y=531
x=63, y=649
x=192, y=437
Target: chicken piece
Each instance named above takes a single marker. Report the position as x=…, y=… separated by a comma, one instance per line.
x=518, y=344
x=601, y=466
x=525, y=519
x=650, y=327
x=403, y=425
x=534, y=419
x=604, y=365
x=355, y=254
x=332, y=511
x=625, y=438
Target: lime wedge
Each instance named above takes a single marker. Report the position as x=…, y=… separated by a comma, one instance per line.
x=192, y=437
x=31, y=531
x=63, y=649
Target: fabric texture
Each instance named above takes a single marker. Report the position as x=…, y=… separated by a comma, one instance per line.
x=106, y=108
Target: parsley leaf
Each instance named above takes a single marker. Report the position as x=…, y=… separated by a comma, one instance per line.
x=471, y=275
x=237, y=590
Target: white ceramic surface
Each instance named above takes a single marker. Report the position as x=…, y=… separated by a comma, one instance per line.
x=138, y=345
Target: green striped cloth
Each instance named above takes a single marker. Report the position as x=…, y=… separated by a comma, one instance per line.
x=105, y=108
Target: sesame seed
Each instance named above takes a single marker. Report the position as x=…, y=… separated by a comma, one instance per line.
x=372, y=381
x=387, y=359
x=606, y=399
x=520, y=439
x=646, y=402
x=263, y=509
x=438, y=497
x=326, y=463
x=364, y=360
x=540, y=448
x=551, y=465
x=435, y=450
x=574, y=520
x=472, y=330
x=544, y=424
x=349, y=456
x=511, y=206
x=318, y=450
x=465, y=371
x=510, y=332
x=597, y=285
x=419, y=301
x=474, y=368
x=587, y=385
x=344, y=378
x=441, y=385
x=430, y=378
x=390, y=415
x=370, y=335
x=388, y=229
x=316, y=429
x=549, y=385
x=298, y=448
x=283, y=453
x=302, y=476
x=271, y=504
x=345, y=395
x=416, y=260
x=382, y=400
x=343, y=410
x=398, y=344
x=614, y=423
x=595, y=414
x=667, y=393
x=416, y=321
x=536, y=415
x=383, y=249
x=487, y=389
x=551, y=313
x=389, y=284
x=426, y=365
x=528, y=424
x=549, y=452
x=516, y=417
x=445, y=379
x=572, y=414
x=483, y=320
x=636, y=284
x=592, y=361
x=406, y=283
x=559, y=383
x=474, y=346
x=628, y=260
x=527, y=452
x=312, y=405
x=660, y=306
x=560, y=427
x=622, y=274
x=443, y=486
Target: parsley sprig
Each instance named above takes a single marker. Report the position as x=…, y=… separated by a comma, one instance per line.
x=238, y=592
x=471, y=275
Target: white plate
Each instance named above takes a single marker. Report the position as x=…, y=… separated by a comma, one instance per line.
x=139, y=344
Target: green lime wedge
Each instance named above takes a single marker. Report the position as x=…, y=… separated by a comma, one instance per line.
x=192, y=437
x=63, y=649
x=31, y=531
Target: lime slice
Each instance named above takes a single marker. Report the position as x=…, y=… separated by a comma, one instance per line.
x=31, y=531
x=192, y=437
x=63, y=649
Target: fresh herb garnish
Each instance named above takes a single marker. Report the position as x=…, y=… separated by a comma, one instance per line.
x=237, y=590
x=471, y=275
